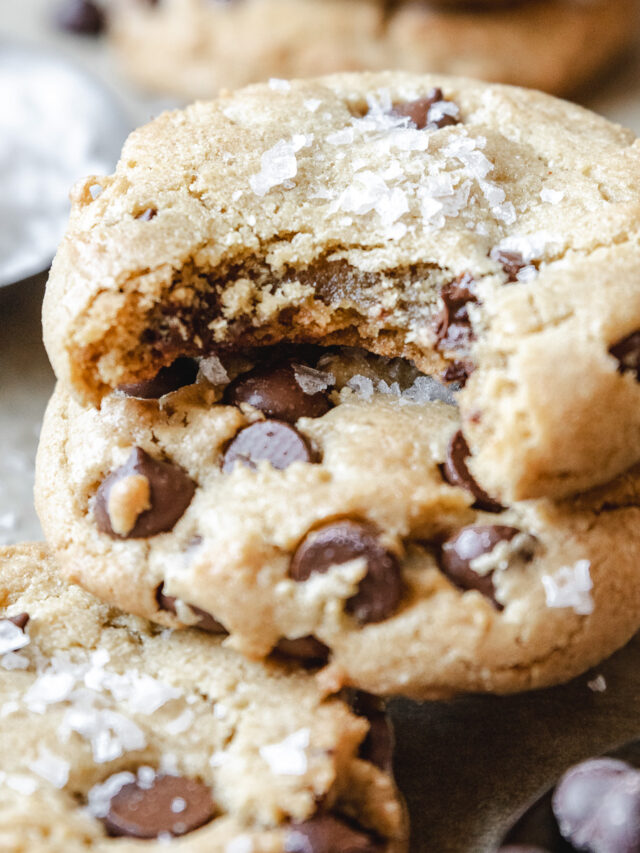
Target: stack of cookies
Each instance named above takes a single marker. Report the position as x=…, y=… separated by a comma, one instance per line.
x=348, y=400
x=192, y=48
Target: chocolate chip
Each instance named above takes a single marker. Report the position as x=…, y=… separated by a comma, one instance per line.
x=274, y=390
x=308, y=649
x=469, y=543
x=327, y=834
x=170, y=493
x=421, y=114
x=205, y=622
x=181, y=372
x=458, y=372
x=597, y=806
x=380, y=590
x=81, y=17
x=511, y=262
x=452, y=324
x=20, y=620
x=147, y=215
x=273, y=441
x=378, y=745
x=455, y=471
x=148, y=812
x=627, y=352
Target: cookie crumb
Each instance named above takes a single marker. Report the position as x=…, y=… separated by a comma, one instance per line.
x=597, y=684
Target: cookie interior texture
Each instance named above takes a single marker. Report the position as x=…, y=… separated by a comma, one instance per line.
x=318, y=503
x=483, y=232
x=131, y=739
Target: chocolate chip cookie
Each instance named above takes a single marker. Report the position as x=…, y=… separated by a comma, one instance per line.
x=118, y=735
x=192, y=48
x=318, y=503
x=487, y=233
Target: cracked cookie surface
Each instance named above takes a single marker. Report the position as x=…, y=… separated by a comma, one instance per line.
x=350, y=532
x=486, y=233
x=134, y=738
x=192, y=48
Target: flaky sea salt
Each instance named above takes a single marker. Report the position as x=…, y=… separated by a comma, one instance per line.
x=570, y=587
x=146, y=777
x=13, y=660
x=142, y=693
x=278, y=164
x=145, y=695
x=48, y=689
x=440, y=109
x=12, y=638
x=369, y=192
x=110, y=734
x=312, y=104
x=312, y=381
x=362, y=386
x=289, y=757
x=392, y=206
x=531, y=247
x=526, y=273
x=466, y=149
x=51, y=767
x=496, y=197
x=440, y=199
x=19, y=782
x=178, y=805
x=426, y=389
x=100, y=796
x=551, y=196
x=364, y=193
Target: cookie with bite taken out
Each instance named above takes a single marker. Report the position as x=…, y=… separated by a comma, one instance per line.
x=488, y=234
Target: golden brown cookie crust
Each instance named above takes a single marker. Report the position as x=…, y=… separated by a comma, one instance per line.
x=356, y=239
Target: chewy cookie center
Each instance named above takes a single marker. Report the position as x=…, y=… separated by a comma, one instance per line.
x=289, y=406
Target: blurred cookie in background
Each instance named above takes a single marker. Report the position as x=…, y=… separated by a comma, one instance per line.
x=192, y=48
x=553, y=45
